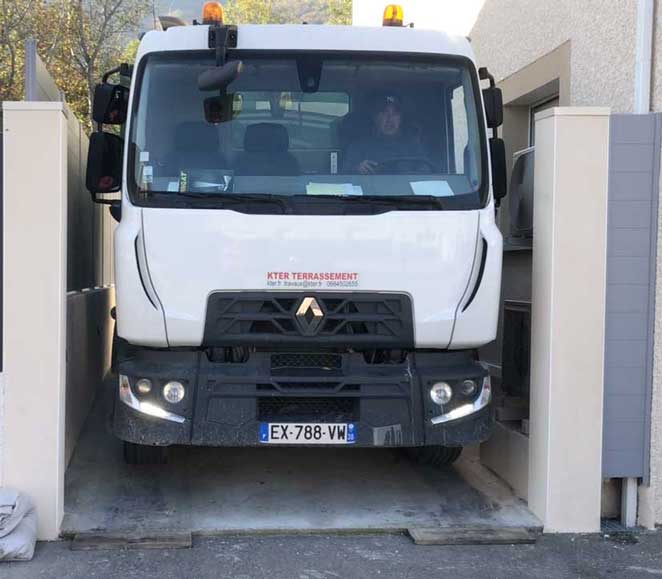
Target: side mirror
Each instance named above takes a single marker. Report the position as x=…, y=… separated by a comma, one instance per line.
x=499, y=173
x=493, y=99
x=104, y=163
x=110, y=104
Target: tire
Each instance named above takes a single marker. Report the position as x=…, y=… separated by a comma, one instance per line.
x=437, y=456
x=137, y=454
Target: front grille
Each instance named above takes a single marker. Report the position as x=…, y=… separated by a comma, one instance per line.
x=349, y=319
x=320, y=360
x=307, y=409
x=315, y=386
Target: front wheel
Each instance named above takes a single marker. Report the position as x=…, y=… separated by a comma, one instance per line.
x=438, y=456
x=140, y=454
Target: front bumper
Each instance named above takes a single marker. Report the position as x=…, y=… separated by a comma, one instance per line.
x=225, y=403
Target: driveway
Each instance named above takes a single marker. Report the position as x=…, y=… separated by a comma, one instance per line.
x=330, y=557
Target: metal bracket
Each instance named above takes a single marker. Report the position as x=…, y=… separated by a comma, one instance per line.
x=220, y=39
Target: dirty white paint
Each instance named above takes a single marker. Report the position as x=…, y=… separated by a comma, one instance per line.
x=602, y=37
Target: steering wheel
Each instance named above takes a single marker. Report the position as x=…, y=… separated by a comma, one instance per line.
x=398, y=165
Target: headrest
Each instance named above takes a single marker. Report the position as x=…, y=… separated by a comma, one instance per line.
x=266, y=138
x=196, y=137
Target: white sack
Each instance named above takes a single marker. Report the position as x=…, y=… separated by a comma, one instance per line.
x=18, y=526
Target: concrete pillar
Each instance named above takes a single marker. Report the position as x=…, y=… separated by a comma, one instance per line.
x=35, y=274
x=568, y=318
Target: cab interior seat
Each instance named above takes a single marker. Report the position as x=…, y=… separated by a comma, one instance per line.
x=266, y=152
x=196, y=146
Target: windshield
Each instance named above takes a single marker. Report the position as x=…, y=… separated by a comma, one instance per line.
x=300, y=126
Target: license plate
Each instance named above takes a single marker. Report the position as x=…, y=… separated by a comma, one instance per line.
x=292, y=433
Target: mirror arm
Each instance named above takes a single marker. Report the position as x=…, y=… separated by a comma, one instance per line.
x=109, y=73
x=485, y=74
x=124, y=69
x=101, y=201
x=220, y=39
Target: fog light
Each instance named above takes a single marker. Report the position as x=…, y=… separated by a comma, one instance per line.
x=144, y=386
x=441, y=393
x=468, y=388
x=173, y=392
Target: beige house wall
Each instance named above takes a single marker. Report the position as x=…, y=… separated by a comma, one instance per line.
x=511, y=34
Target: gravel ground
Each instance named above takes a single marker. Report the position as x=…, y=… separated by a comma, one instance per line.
x=328, y=557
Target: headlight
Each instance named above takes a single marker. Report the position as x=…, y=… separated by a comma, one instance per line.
x=441, y=393
x=468, y=388
x=174, y=392
x=144, y=386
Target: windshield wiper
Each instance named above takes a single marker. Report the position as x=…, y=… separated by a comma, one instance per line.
x=238, y=198
x=399, y=200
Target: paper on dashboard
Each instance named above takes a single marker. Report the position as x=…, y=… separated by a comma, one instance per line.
x=432, y=188
x=340, y=189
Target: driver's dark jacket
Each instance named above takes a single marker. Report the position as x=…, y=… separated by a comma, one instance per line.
x=381, y=149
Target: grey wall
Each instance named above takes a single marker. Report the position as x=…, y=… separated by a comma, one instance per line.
x=82, y=222
x=515, y=285
x=89, y=340
x=631, y=254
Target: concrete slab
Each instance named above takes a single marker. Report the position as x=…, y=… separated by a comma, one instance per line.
x=258, y=490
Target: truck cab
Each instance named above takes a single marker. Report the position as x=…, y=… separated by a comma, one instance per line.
x=307, y=250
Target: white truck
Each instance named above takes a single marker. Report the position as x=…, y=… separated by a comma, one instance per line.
x=307, y=251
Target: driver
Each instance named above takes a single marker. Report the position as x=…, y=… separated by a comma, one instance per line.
x=387, y=141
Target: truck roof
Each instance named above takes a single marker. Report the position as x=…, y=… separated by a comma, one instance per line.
x=313, y=37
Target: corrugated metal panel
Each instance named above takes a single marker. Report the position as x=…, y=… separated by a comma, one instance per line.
x=634, y=169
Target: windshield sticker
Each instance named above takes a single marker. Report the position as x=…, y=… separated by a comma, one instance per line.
x=311, y=279
x=340, y=189
x=148, y=174
x=432, y=188
x=183, y=182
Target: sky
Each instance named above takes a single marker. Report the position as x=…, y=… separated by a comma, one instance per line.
x=452, y=16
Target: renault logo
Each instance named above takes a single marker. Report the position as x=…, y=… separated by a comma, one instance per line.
x=310, y=316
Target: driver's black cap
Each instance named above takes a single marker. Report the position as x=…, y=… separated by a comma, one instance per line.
x=380, y=101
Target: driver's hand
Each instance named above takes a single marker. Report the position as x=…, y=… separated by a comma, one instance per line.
x=368, y=167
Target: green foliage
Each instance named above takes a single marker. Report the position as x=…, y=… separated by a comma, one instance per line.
x=130, y=51
x=340, y=12
x=289, y=11
x=76, y=39
x=80, y=39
